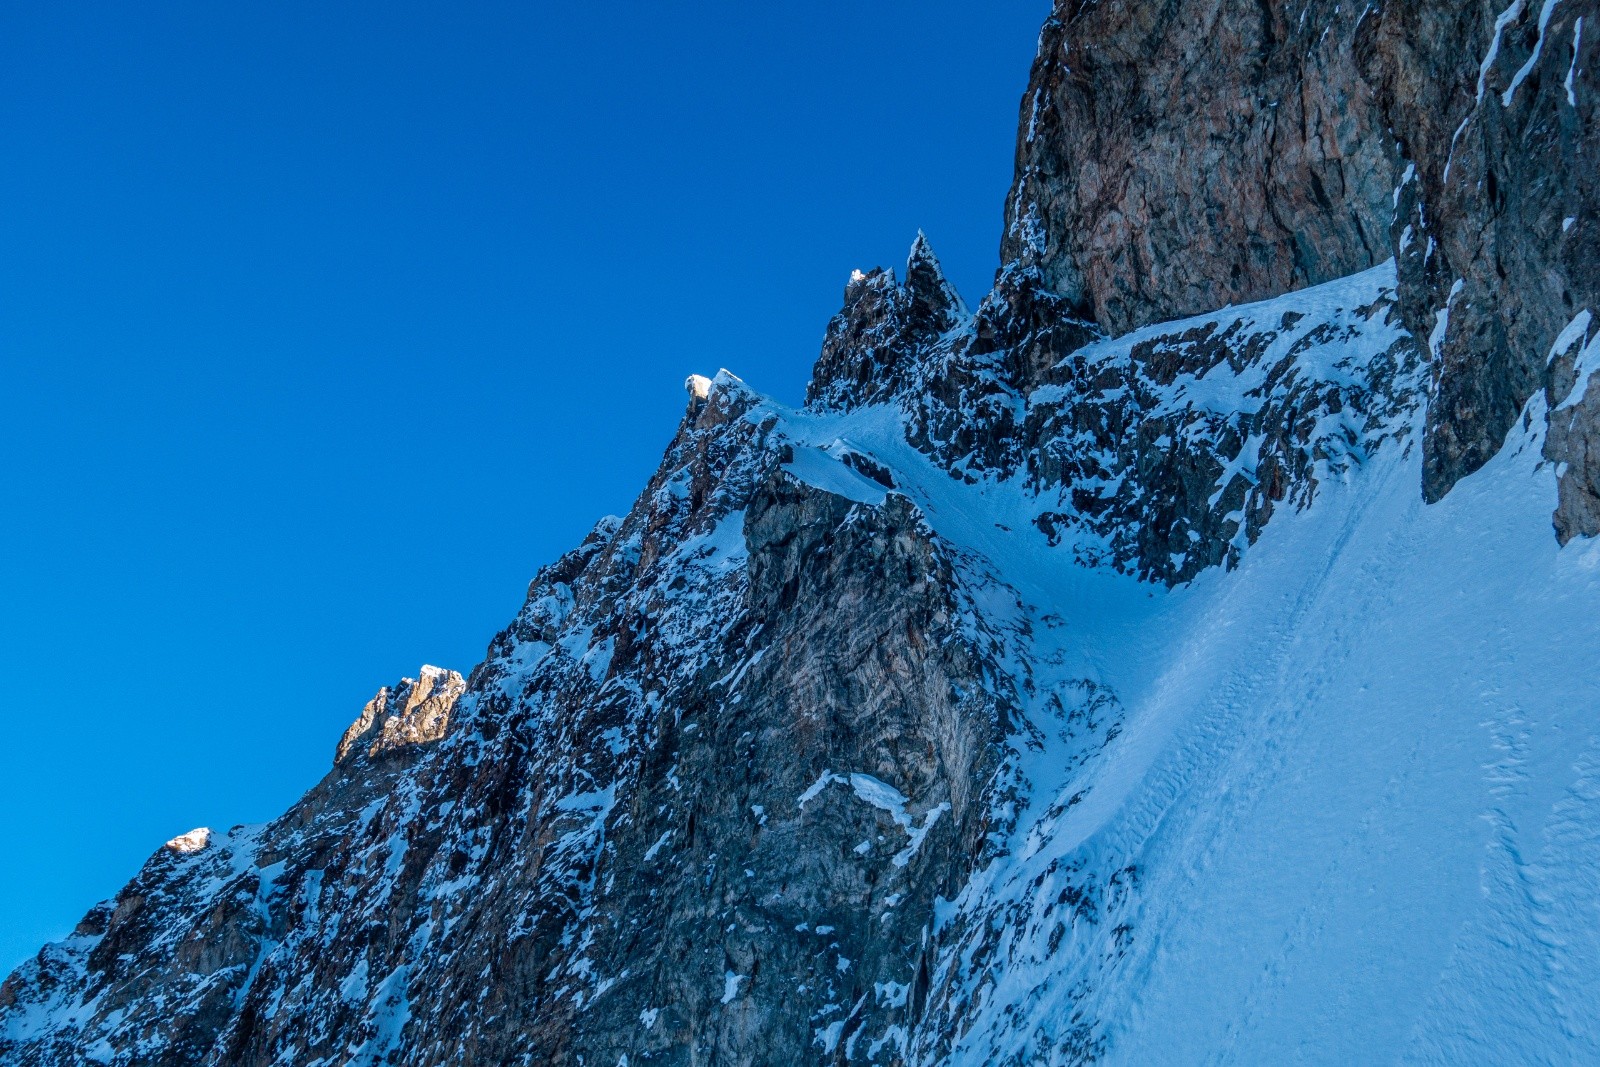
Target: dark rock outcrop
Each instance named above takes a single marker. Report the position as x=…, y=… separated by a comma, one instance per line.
x=1163, y=452
x=1495, y=229
x=883, y=328
x=1573, y=443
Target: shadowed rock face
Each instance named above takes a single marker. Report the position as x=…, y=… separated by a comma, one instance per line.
x=883, y=328
x=1574, y=444
x=1160, y=453
x=1495, y=227
x=696, y=804
x=1176, y=157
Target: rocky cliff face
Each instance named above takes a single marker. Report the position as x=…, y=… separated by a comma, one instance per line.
x=843, y=744
x=1178, y=157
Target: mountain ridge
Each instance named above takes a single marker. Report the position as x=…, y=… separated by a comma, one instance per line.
x=900, y=727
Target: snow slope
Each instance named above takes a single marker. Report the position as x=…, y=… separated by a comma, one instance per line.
x=1351, y=811
x=1368, y=832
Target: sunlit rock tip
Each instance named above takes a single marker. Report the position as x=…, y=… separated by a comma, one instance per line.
x=416, y=711
x=698, y=386
x=190, y=843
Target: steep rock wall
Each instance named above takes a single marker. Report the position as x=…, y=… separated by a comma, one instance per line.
x=1180, y=156
x=1176, y=157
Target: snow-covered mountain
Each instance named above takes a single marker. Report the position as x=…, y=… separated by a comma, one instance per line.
x=1189, y=653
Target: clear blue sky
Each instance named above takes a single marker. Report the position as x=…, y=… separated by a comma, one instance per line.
x=322, y=326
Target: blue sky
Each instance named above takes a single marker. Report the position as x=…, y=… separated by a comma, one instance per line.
x=324, y=326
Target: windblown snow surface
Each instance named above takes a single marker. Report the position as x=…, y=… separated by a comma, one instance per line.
x=1352, y=811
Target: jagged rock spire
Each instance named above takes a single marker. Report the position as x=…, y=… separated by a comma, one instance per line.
x=416, y=711
x=932, y=296
x=882, y=329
